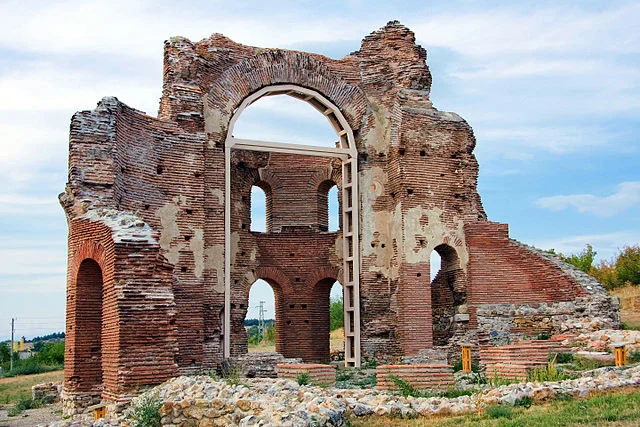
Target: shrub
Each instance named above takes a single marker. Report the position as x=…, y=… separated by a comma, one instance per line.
x=543, y=336
x=146, y=411
x=562, y=357
x=22, y=405
x=406, y=389
x=525, y=402
x=547, y=373
x=303, y=378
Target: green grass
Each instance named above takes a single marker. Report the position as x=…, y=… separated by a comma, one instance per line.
x=619, y=409
x=12, y=390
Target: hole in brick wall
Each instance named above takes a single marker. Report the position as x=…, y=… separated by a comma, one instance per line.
x=288, y=322
x=378, y=276
x=183, y=269
x=306, y=321
x=382, y=245
x=243, y=253
x=363, y=157
x=423, y=153
x=189, y=211
x=304, y=305
x=333, y=211
x=147, y=206
x=233, y=306
x=292, y=306
x=236, y=281
x=292, y=254
x=381, y=155
x=187, y=238
x=419, y=274
x=441, y=175
x=172, y=321
x=401, y=151
x=241, y=305
x=245, y=199
x=123, y=169
x=373, y=244
x=243, y=226
x=297, y=279
x=197, y=174
x=259, y=208
x=409, y=191
x=159, y=169
x=393, y=195
x=456, y=196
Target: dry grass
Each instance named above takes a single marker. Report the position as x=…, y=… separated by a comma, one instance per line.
x=14, y=388
x=336, y=340
x=629, y=305
x=262, y=348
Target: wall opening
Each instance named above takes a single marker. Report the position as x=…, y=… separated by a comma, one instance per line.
x=260, y=208
x=327, y=313
x=448, y=294
x=260, y=320
x=284, y=118
x=87, y=352
x=328, y=206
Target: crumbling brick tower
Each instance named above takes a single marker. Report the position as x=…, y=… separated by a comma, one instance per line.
x=162, y=256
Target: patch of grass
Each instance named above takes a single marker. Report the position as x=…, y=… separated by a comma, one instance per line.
x=497, y=381
x=231, y=374
x=583, y=364
x=22, y=405
x=547, y=373
x=633, y=357
x=475, y=366
x=146, y=412
x=608, y=409
x=303, y=378
x=14, y=389
x=499, y=411
x=562, y=357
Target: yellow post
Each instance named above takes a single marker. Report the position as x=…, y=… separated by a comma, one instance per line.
x=621, y=356
x=99, y=412
x=466, y=358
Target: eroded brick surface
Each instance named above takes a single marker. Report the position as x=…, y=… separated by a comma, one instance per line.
x=145, y=204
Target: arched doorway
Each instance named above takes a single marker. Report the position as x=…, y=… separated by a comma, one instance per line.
x=87, y=352
x=261, y=317
x=345, y=151
x=448, y=293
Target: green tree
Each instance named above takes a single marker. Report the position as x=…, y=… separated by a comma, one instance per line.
x=336, y=314
x=582, y=260
x=51, y=353
x=5, y=354
x=628, y=266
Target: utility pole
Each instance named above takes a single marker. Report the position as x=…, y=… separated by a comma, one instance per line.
x=261, y=321
x=13, y=324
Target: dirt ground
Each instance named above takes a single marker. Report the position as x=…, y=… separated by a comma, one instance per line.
x=31, y=417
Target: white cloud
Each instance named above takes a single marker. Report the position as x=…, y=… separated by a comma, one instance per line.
x=627, y=196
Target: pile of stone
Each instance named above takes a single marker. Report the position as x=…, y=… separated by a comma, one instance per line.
x=46, y=392
x=204, y=401
x=260, y=365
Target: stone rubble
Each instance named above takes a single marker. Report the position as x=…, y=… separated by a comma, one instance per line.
x=203, y=401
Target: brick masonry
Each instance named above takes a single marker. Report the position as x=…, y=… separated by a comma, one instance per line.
x=421, y=377
x=513, y=362
x=319, y=374
x=145, y=207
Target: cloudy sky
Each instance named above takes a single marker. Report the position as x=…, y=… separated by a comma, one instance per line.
x=552, y=92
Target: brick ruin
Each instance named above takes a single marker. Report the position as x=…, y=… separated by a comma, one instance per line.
x=162, y=256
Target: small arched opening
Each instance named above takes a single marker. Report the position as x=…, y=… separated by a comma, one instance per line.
x=328, y=206
x=87, y=351
x=260, y=207
x=448, y=293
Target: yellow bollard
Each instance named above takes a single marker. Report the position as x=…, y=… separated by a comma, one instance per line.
x=466, y=358
x=621, y=356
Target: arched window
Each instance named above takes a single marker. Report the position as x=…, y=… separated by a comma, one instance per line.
x=260, y=208
x=328, y=206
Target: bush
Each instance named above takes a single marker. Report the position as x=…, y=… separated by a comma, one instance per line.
x=562, y=357
x=547, y=373
x=303, y=378
x=22, y=405
x=146, y=412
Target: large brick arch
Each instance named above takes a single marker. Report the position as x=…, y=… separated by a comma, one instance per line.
x=276, y=67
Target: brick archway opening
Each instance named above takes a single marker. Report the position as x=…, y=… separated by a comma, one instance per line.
x=262, y=305
x=448, y=294
x=344, y=157
x=87, y=352
x=321, y=318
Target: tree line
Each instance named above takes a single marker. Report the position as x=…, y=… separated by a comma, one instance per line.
x=622, y=270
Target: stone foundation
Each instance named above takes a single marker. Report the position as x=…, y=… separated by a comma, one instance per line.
x=46, y=392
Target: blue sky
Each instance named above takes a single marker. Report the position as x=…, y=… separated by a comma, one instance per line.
x=552, y=90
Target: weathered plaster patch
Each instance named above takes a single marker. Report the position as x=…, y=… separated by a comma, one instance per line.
x=214, y=120
x=372, y=184
x=214, y=259
x=378, y=136
x=434, y=233
x=168, y=215
x=339, y=246
x=216, y=192
x=235, y=246
x=196, y=244
x=254, y=254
